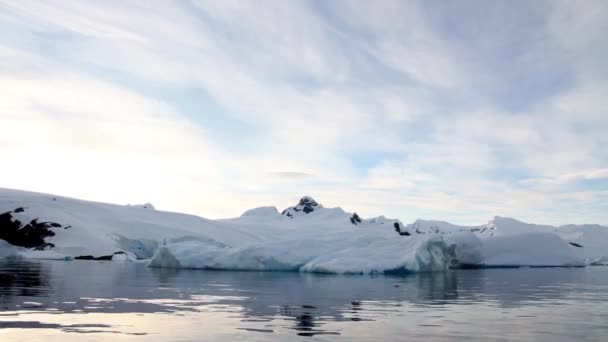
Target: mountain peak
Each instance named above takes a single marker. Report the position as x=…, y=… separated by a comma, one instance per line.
x=306, y=205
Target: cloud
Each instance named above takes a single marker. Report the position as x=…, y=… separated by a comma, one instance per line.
x=385, y=108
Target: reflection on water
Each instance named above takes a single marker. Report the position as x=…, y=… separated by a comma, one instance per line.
x=98, y=300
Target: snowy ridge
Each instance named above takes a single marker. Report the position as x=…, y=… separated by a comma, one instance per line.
x=306, y=237
x=587, y=244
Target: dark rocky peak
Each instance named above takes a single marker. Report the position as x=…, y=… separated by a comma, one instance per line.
x=306, y=206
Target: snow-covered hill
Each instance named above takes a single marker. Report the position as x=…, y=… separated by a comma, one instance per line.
x=586, y=242
x=306, y=237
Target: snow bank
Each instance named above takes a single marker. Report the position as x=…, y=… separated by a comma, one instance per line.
x=262, y=212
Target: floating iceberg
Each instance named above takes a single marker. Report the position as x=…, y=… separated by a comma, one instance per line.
x=354, y=254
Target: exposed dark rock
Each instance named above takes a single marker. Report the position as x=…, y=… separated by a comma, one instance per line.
x=308, y=201
x=100, y=258
x=84, y=257
x=355, y=219
x=31, y=235
x=306, y=205
x=399, y=231
x=575, y=244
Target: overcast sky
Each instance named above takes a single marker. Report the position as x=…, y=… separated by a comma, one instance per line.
x=454, y=110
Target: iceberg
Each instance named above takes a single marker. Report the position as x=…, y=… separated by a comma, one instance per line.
x=355, y=254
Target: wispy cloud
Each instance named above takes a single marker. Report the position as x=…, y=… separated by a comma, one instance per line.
x=456, y=111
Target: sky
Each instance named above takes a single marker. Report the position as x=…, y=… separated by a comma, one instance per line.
x=450, y=110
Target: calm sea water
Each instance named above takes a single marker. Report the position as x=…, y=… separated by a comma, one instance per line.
x=84, y=300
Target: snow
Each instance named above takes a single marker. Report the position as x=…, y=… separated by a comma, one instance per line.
x=305, y=238
x=262, y=212
x=434, y=227
x=8, y=251
x=508, y=242
x=144, y=206
x=529, y=249
x=100, y=229
x=593, y=240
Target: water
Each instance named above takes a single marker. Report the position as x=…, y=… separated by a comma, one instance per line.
x=85, y=300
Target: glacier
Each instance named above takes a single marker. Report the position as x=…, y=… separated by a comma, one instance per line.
x=306, y=237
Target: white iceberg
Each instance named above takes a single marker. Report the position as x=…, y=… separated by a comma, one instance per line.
x=359, y=253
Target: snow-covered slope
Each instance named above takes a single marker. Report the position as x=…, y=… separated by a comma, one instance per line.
x=509, y=242
x=97, y=229
x=306, y=237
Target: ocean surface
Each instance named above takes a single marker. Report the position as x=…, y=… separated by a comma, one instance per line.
x=94, y=301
